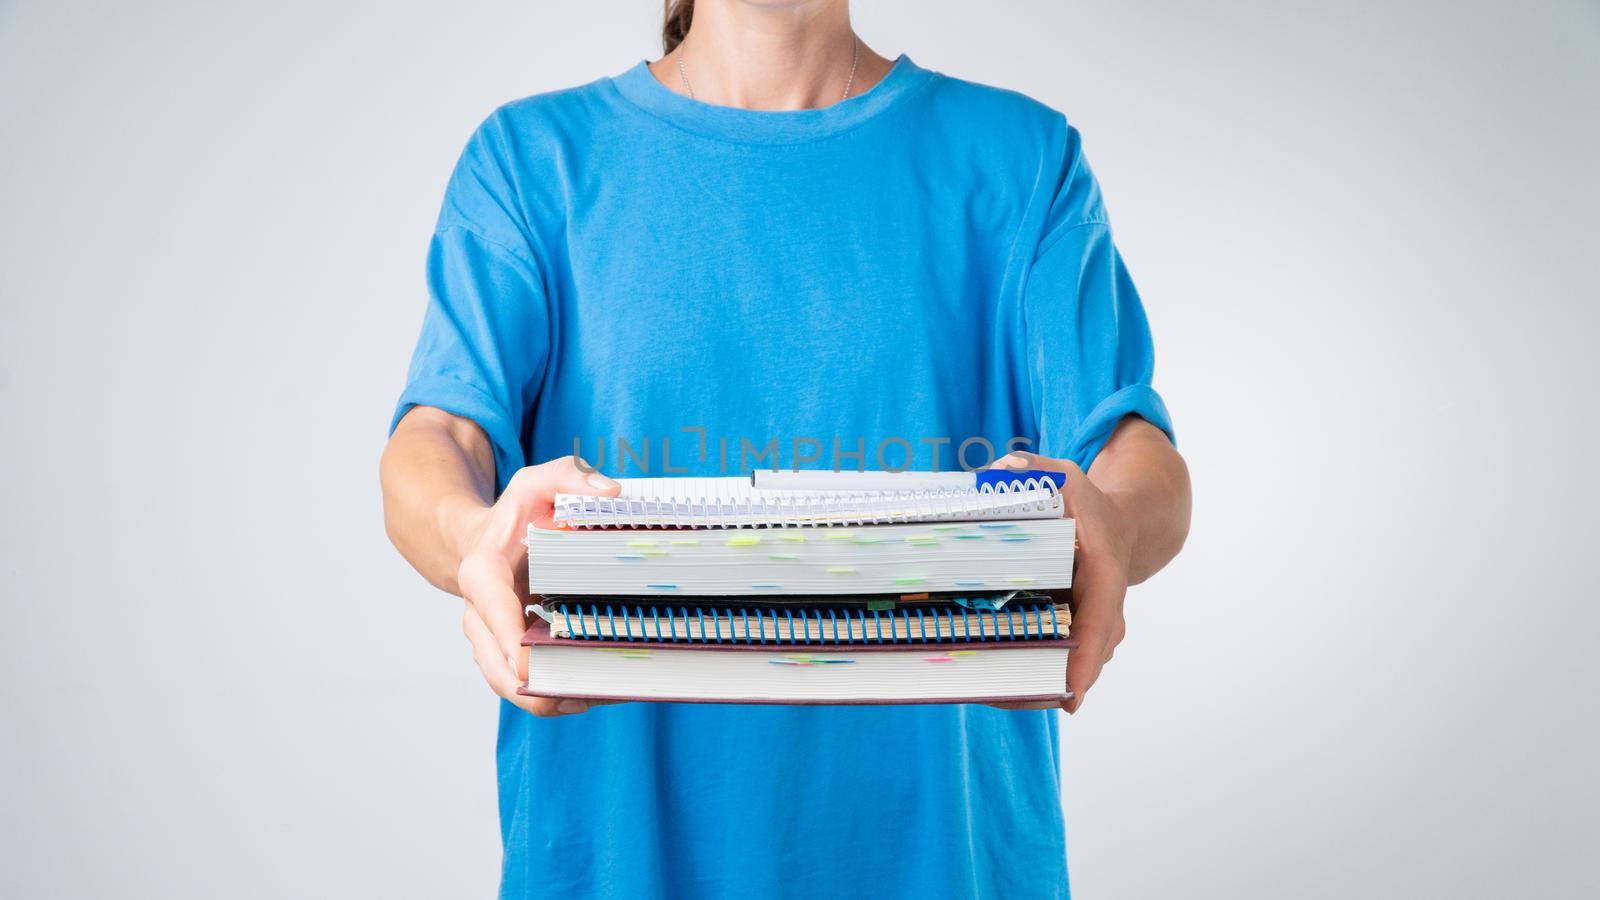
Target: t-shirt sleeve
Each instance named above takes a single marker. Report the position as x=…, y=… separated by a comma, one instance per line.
x=485, y=334
x=1090, y=356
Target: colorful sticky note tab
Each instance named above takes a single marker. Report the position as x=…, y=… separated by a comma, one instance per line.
x=792, y=538
x=841, y=570
x=783, y=556
x=744, y=540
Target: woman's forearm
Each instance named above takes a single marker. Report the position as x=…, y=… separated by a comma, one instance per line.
x=437, y=473
x=1141, y=472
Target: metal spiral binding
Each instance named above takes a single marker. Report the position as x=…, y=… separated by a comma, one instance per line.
x=779, y=509
x=666, y=624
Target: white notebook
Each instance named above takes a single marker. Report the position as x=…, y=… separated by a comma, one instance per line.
x=1034, y=554
x=737, y=503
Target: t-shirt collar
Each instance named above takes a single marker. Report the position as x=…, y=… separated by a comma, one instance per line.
x=641, y=88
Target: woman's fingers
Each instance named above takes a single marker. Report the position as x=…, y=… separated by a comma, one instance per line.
x=567, y=475
x=500, y=673
x=489, y=588
x=1098, y=586
x=488, y=574
x=494, y=620
x=1022, y=460
x=1097, y=624
x=532, y=491
x=496, y=668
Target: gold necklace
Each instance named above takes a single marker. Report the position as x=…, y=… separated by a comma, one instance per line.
x=855, y=62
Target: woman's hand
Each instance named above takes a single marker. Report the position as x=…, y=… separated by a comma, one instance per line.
x=1105, y=538
x=493, y=573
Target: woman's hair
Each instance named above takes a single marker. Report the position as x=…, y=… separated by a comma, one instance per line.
x=676, y=22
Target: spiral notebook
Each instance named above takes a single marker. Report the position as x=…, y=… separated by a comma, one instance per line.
x=1033, y=554
x=741, y=503
x=1023, y=617
x=884, y=671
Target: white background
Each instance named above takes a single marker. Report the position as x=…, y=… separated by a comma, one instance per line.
x=1366, y=236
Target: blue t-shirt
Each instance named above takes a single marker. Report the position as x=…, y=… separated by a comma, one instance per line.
x=921, y=270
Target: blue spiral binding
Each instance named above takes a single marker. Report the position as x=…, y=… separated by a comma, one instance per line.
x=666, y=624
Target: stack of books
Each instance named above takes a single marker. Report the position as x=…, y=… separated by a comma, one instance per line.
x=822, y=589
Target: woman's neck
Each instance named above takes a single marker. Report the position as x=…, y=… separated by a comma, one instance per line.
x=795, y=56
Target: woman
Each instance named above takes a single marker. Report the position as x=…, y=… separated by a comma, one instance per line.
x=774, y=232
